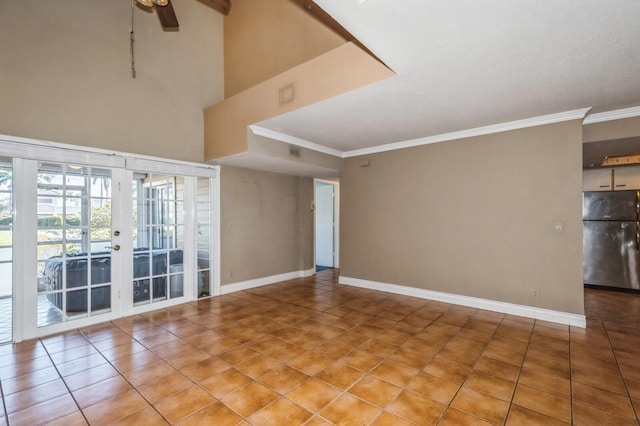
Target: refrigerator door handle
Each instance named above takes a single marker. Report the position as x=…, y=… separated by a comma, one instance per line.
x=637, y=236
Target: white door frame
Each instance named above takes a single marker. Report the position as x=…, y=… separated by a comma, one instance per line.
x=336, y=215
x=25, y=254
x=25, y=154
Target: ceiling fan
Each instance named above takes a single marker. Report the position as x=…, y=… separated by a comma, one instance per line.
x=167, y=15
x=168, y=18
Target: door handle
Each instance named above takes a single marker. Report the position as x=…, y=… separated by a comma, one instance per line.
x=637, y=236
x=116, y=247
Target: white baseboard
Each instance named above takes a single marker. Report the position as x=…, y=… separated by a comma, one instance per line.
x=575, y=320
x=259, y=282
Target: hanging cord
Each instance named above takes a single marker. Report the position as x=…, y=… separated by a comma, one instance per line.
x=131, y=42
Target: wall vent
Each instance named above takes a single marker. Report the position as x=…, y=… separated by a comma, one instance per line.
x=294, y=151
x=286, y=94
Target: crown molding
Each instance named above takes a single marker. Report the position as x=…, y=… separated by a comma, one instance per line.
x=617, y=114
x=577, y=114
x=272, y=134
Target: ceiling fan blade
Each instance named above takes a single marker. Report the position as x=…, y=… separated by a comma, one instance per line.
x=168, y=18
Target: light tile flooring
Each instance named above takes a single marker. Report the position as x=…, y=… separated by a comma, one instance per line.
x=313, y=352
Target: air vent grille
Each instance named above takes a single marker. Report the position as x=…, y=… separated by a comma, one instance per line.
x=294, y=151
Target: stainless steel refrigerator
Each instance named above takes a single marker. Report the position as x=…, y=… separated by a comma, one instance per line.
x=612, y=239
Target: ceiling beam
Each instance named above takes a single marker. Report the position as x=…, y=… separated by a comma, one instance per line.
x=222, y=6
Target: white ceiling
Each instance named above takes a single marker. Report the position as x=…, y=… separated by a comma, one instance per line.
x=467, y=63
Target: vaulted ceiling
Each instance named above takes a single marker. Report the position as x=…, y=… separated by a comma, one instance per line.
x=467, y=64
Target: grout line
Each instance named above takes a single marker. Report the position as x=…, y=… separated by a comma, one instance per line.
x=571, y=414
x=4, y=404
x=151, y=350
x=524, y=357
x=55, y=365
x=626, y=387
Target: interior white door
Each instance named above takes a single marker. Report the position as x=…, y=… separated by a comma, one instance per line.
x=325, y=222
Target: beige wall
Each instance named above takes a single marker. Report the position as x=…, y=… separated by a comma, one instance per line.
x=266, y=224
x=267, y=37
x=473, y=217
x=65, y=75
x=343, y=69
x=614, y=129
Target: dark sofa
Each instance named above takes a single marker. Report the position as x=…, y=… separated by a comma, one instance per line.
x=76, y=265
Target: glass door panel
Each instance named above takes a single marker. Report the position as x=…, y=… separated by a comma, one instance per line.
x=203, y=237
x=158, y=238
x=73, y=242
x=6, y=251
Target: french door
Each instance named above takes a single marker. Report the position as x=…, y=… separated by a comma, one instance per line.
x=76, y=242
x=96, y=242
x=158, y=237
x=68, y=264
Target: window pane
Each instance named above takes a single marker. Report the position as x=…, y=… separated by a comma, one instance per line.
x=74, y=234
x=5, y=207
x=49, y=235
x=141, y=264
x=6, y=239
x=175, y=258
x=100, y=212
x=203, y=284
x=177, y=285
x=73, y=206
x=47, y=315
x=6, y=273
x=100, y=183
x=101, y=299
x=77, y=273
x=47, y=251
x=77, y=302
x=75, y=248
x=100, y=270
x=159, y=289
x=6, y=175
x=159, y=262
x=101, y=235
x=141, y=292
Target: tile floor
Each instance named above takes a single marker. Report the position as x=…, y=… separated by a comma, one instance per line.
x=313, y=352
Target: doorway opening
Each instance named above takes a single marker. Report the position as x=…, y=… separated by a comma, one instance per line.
x=327, y=220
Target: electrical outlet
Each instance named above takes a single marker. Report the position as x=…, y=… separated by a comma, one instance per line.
x=535, y=293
